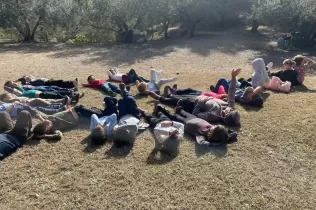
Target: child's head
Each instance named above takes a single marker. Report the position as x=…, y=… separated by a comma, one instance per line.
x=98, y=136
x=249, y=92
x=232, y=117
x=91, y=78
x=141, y=86
x=5, y=97
x=299, y=59
x=123, y=137
x=288, y=64
x=9, y=84
x=218, y=134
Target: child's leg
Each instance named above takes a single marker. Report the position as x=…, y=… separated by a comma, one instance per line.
x=168, y=101
x=188, y=91
x=154, y=75
x=171, y=116
x=86, y=112
x=48, y=111
x=186, y=115
x=153, y=121
x=60, y=83
x=106, y=88
x=50, y=95
x=39, y=102
x=114, y=88
x=221, y=90
x=222, y=82
x=165, y=81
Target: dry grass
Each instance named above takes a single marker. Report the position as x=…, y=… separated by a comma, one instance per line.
x=271, y=167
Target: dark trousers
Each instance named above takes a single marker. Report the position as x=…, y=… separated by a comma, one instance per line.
x=45, y=88
x=182, y=116
x=110, y=108
x=109, y=87
x=54, y=95
x=153, y=121
x=187, y=105
x=127, y=105
x=49, y=110
x=58, y=83
x=14, y=138
x=87, y=112
x=132, y=76
x=188, y=91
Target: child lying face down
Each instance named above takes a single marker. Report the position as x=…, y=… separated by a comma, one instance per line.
x=154, y=85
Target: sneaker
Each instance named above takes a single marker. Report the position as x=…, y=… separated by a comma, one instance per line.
x=67, y=100
x=76, y=82
x=175, y=86
x=156, y=104
x=166, y=91
x=179, y=105
x=128, y=88
x=270, y=66
x=212, y=88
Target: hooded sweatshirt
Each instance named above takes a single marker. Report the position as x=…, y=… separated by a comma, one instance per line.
x=260, y=77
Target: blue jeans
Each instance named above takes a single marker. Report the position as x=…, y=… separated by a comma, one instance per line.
x=224, y=82
x=109, y=87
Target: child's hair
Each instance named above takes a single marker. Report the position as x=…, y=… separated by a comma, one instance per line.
x=8, y=83
x=220, y=135
x=89, y=78
x=232, y=118
x=98, y=136
x=298, y=59
x=39, y=129
x=289, y=62
x=3, y=96
x=141, y=87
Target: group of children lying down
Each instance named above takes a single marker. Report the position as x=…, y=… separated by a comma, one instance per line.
x=203, y=115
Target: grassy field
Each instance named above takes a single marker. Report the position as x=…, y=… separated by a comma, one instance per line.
x=272, y=166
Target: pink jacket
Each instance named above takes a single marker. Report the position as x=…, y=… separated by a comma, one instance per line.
x=276, y=84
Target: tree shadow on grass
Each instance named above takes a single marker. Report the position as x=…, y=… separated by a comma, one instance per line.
x=228, y=42
x=155, y=159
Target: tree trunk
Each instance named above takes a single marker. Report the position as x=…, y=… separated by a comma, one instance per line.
x=192, y=30
x=255, y=26
x=166, y=26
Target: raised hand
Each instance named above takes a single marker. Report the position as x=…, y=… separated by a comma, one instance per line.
x=235, y=72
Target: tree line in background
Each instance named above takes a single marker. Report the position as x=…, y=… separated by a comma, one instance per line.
x=101, y=20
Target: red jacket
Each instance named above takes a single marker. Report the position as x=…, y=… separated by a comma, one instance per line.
x=95, y=83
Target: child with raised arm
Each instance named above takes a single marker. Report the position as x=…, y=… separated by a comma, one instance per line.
x=302, y=66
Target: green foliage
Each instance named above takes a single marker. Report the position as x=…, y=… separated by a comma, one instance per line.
x=286, y=14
